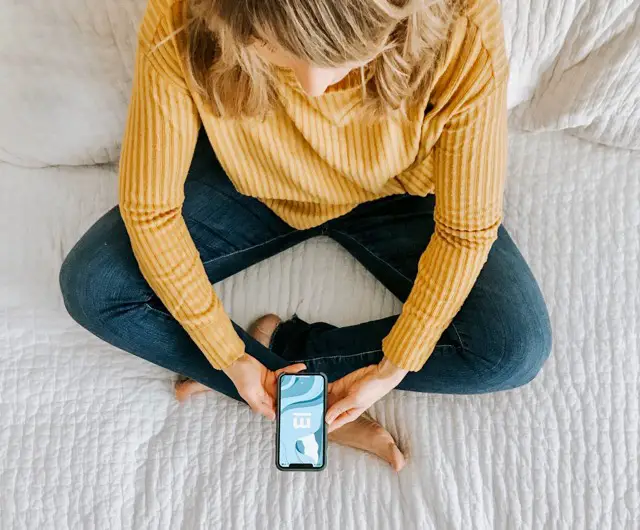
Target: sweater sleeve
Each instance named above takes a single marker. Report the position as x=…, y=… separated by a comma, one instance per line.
x=159, y=141
x=469, y=162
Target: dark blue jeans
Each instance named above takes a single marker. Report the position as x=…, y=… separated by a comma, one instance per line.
x=498, y=340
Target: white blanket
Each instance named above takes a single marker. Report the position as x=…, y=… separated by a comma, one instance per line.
x=91, y=437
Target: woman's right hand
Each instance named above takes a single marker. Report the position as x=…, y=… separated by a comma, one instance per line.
x=256, y=384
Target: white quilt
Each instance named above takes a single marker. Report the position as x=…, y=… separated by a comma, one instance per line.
x=92, y=437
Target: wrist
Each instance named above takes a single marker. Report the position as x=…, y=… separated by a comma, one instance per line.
x=237, y=364
x=388, y=370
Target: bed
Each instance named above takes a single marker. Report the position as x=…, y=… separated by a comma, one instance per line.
x=91, y=437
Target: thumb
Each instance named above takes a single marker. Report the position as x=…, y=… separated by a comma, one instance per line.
x=340, y=407
x=291, y=369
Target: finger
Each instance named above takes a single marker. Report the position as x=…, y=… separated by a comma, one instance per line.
x=260, y=407
x=345, y=418
x=339, y=407
x=335, y=390
x=332, y=398
x=265, y=410
x=268, y=400
x=291, y=369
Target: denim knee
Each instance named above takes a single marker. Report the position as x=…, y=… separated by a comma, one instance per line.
x=94, y=279
x=79, y=293
x=527, y=347
x=100, y=277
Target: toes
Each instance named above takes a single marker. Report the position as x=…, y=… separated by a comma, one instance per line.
x=370, y=436
x=388, y=450
x=186, y=389
x=395, y=457
x=385, y=446
x=378, y=430
x=263, y=328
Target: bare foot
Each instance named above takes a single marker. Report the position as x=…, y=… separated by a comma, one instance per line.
x=189, y=387
x=261, y=330
x=368, y=435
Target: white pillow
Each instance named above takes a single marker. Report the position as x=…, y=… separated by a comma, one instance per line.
x=66, y=66
x=65, y=74
x=579, y=64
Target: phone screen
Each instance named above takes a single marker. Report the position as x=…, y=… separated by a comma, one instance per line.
x=301, y=442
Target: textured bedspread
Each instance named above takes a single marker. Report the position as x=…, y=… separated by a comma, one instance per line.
x=91, y=437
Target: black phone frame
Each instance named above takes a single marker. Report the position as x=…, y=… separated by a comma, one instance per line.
x=302, y=467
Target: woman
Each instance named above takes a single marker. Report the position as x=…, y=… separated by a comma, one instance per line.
x=256, y=125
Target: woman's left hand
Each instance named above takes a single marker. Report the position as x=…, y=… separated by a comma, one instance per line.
x=356, y=392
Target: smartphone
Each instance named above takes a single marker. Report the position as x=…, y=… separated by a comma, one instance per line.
x=301, y=433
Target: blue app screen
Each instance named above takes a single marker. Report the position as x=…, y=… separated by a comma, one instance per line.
x=301, y=420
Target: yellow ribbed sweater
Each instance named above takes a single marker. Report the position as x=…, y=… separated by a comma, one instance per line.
x=316, y=159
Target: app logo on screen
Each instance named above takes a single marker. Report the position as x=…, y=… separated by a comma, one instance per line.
x=301, y=420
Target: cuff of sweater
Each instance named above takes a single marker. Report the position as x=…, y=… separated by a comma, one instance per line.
x=409, y=344
x=219, y=341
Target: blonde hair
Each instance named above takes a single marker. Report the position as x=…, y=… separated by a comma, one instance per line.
x=232, y=77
